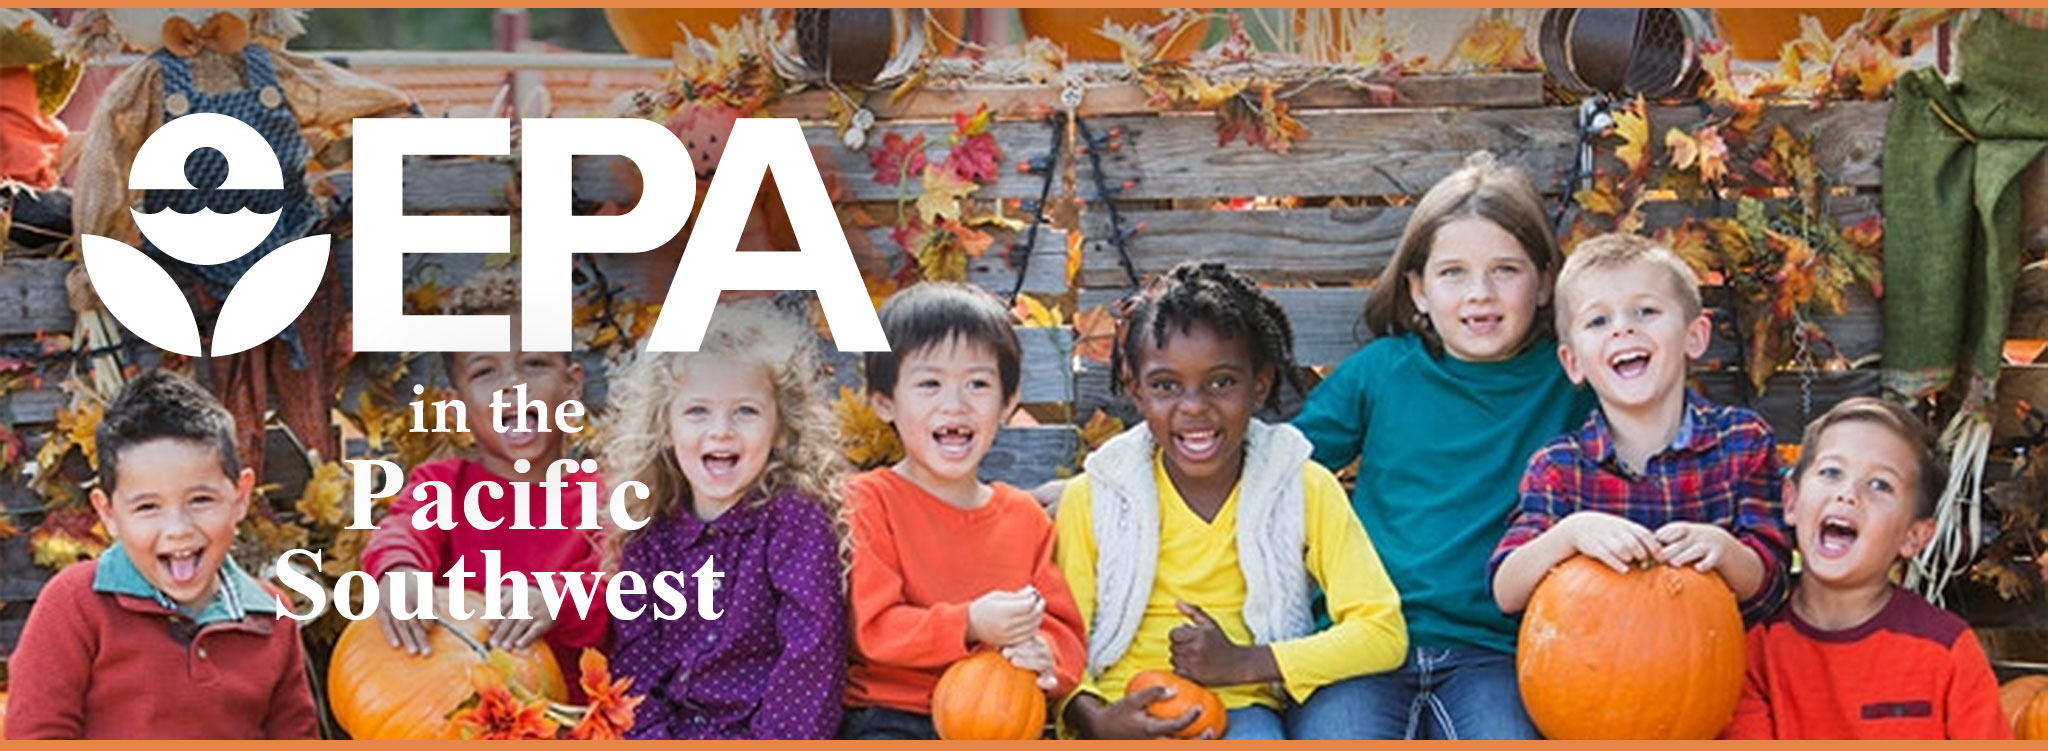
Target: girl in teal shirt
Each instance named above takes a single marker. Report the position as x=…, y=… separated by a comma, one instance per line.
x=1442, y=411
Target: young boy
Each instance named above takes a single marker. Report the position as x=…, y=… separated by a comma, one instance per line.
x=397, y=548
x=1851, y=655
x=943, y=563
x=1657, y=475
x=163, y=636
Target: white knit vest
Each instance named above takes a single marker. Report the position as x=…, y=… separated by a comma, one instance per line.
x=1271, y=537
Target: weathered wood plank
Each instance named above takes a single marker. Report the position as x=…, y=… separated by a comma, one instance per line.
x=1780, y=404
x=1326, y=321
x=1044, y=373
x=32, y=406
x=2030, y=302
x=32, y=296
x=2018, y=383
x=1342, y=245
x=1027, y=456
x=22, y=578
x=1009, y=102
x=1352, y=153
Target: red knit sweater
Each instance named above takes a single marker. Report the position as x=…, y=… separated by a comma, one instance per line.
x=98, y=665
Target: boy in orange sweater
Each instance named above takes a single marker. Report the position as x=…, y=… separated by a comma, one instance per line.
x=1852, y=655
x=944, y=564
x=163, y=636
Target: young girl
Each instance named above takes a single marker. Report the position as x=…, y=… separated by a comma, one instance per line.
x=1442, y=412
x=738, y=451
x=1194, y=542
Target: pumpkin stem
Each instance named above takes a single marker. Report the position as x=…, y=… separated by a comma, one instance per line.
x=466, y=639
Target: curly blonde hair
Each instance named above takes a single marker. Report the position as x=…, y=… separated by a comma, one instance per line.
x=805, y=457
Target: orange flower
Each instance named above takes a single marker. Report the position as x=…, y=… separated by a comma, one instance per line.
x=611, y=711
x=499, y=716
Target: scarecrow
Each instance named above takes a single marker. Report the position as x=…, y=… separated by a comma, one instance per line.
x=230, y=62
x=36, y=80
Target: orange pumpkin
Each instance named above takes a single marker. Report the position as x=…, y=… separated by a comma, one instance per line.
x=2025, y=700
x=3, y=715
x=381, y=693
x=985, y=698
x=1653, y=654
x=1074, y=29
x=1186, y=694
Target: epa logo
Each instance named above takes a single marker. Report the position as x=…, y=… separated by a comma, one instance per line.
x=144, y=298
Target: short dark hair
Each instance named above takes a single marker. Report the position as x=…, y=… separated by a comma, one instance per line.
x=931, y=313
x=1902, y=423
x=160, y=404
x=1206, y=291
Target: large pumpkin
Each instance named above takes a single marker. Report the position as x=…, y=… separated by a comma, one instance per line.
x=1653, y=654
x=1074, y=29
x=1186, y=694
x=381, y=693
x=2025, y=700
x=985, y=698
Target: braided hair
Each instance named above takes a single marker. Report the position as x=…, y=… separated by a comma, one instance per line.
x=1226, y=300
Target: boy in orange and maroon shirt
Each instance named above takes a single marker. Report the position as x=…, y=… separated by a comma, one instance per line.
x=944, y=564
x=163, y=636
x=1851, y=655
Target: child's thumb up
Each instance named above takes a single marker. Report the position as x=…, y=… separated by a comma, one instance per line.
x=1195, y=614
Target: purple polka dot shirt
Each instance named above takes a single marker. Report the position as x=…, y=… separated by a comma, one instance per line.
x=772, y=666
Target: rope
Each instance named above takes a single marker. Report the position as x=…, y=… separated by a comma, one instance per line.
x=1022, y=251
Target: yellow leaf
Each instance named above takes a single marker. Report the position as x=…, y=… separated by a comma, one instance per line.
x=995, y=220
x=867, y=441
x=1633, y=126
x=1713, y=155
x=942, y=193
x=1075, y=238
x=1600, y=198
x=1100, y=428
x=322, y=500
x=1492, y=43
x=1031, y=313
x=1684, y=150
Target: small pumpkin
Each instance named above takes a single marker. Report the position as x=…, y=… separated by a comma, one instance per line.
x=1653, y=654
x=381, y=693
x=3, y=715
x=1186, y=694
x=985, y=698
x=2025, y=700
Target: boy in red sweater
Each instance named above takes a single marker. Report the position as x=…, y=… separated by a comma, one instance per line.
x=163, y=636
x=399, y=548
x=1851, y=655
x=943, y=563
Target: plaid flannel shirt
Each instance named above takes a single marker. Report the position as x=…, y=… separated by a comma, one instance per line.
x=1722, y=470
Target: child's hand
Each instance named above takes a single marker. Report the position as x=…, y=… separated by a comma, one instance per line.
x=1128, y=719
x=1612, y=540
x=1704, y=546
x=399, y=631
x=1001, y=618
x=1204, y=654
x=514, y=633
x=1034, y=654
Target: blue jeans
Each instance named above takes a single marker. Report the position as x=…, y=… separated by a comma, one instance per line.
x=1330, y=714
x=1454, y=693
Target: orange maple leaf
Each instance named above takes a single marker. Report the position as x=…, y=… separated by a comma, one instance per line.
x=1094, y=334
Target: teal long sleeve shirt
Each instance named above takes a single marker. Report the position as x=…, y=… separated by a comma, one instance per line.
x=1441, y=445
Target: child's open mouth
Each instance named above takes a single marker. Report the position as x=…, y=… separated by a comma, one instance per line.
x=1198, y=445
x=182, y=567
x=1630, y=364
x=1482, y=325
x=955, y=442
x=1837, y=536
x=721, y=465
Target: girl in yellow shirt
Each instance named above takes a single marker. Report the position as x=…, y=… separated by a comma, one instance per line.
x=1198, y=541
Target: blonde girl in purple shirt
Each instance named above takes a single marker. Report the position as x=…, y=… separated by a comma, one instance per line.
x=738, y=450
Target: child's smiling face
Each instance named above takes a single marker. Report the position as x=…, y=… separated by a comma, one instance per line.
x=1630, y=336
x=1480, y=290
x=550, y=377
x=1197, y=394
x=1854, y=510
x=174, y=511
x=722, y=422
x=947, y=405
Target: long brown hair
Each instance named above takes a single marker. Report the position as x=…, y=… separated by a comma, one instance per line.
x=1485, y=189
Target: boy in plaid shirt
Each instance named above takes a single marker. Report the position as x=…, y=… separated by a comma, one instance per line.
x=1657, y=475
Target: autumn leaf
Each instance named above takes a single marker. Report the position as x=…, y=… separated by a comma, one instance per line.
x=1684, y=150
x=942, y=193
x=609, y=714
x=976, y=158
x=1718, y=65
x=66, y=536
x=1075, y=240
x=1094, y=334
x=322, y=499
x=1632, y=124
x=1600, y=197
x=967, y=126
x=1863, y=69
x=1099, y=429
x=1713, y=155
x=897, y=158
x=1030, y=313
x=1689, y=241
x=1492, y=43
x=864, y=438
